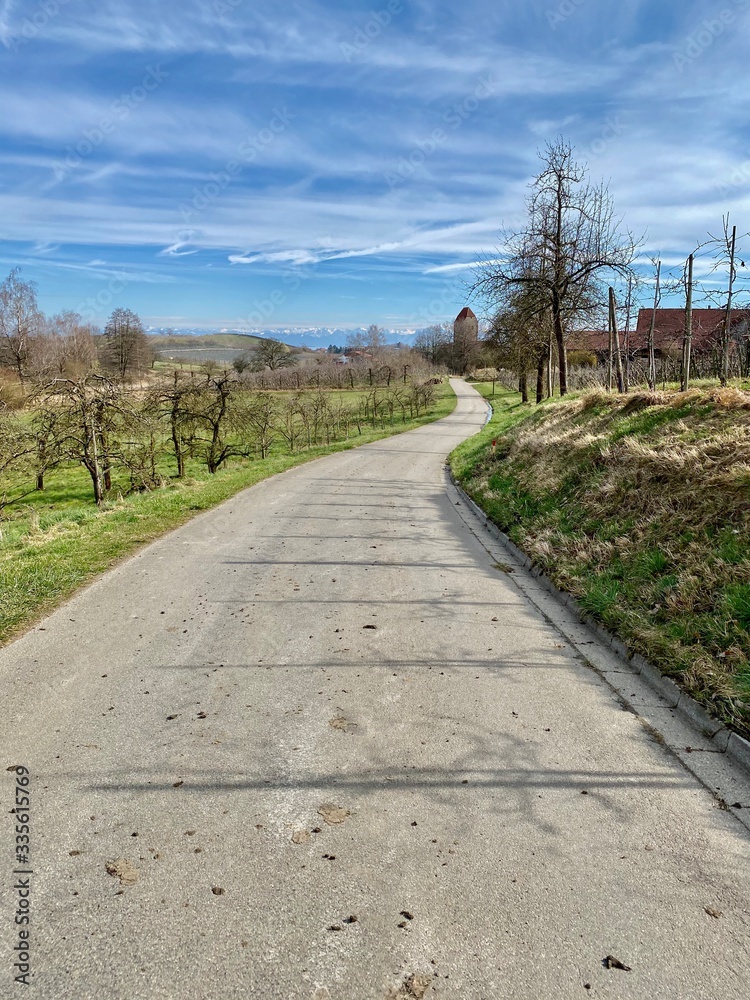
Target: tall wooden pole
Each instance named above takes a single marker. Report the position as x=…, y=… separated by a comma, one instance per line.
x=651, y=352
x=610, y=347
x=726, y=333
x=688, y=339
x=628, y=308
x=615, y=340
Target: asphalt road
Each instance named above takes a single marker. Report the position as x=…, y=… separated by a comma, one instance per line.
x=345, y=758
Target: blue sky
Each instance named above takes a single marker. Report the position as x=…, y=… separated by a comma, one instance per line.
x=247, y=163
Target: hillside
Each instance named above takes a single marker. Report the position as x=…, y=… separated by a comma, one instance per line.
x=238, y=341
x=640, y=507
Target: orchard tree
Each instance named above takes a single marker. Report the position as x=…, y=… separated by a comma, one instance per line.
x=83, y=418
x=570, y=239
x=175, y=398
x=17, y=450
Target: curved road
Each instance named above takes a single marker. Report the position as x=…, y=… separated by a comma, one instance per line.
x=345, y=758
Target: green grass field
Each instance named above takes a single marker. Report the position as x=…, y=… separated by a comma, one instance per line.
x=57, y=540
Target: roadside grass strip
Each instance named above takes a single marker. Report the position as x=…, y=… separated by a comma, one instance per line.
x=639, y=506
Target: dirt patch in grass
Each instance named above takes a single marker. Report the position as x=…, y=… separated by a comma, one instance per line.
x=640, y=507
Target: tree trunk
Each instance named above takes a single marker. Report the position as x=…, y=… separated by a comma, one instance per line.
x=550, y=368
x=93, y=466
x=42, y=457
x=96, y=483
x=523, y=387
x=540, y=370
x=178, y=453
x=562, y=354
x=177, y=445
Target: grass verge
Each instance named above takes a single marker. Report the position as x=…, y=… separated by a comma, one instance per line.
x=59, y=539
x=640, y=507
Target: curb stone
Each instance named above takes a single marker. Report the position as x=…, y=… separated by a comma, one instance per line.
x=726, y=742
x=739, y=750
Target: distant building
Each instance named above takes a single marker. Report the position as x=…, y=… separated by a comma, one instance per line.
x=465, y=341
x=669, y=331
x=352, y=356
x=465, y=329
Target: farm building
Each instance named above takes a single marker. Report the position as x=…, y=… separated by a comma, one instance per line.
x=669, y=331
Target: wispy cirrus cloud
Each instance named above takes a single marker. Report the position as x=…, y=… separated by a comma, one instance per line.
x=316, y=194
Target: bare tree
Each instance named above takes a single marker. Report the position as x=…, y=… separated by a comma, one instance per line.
x=20, y=322
x=175, y=398
x=258, y=416
x=83, y=416
x=126, y=349
x=519, y=341
x=521, y=337
x=375, y=339
x=213, y=410
x=17, y=450
x=631, y=290
x=435, y=343
x=273, y=354
x=243, y=362
x=65, y=346
x=571, y=237
x=725, y=248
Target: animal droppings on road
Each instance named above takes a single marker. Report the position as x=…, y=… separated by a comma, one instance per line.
x=124, y=870
x=332, y=814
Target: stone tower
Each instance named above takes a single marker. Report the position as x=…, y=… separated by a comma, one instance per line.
x=465, y=339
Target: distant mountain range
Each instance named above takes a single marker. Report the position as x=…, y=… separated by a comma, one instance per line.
x=296, y=336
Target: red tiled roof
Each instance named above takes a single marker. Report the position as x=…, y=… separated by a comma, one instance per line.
x=670, y=326
x=465, y=313
x=589, y=340
x=668, y=331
